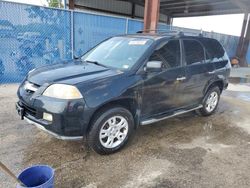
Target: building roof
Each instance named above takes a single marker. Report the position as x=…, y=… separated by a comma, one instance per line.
x=187, y=8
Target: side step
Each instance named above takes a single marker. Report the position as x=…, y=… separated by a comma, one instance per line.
x=146, y=122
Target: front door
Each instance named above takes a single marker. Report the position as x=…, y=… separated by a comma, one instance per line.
x=162, y=90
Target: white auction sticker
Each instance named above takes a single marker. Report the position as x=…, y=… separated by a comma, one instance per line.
x=137, y=42
x=125, y=66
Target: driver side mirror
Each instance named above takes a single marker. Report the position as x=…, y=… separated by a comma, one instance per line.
x=75, y=57
x=153, y=66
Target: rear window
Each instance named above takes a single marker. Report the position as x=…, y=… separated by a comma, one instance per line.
x=214, y=50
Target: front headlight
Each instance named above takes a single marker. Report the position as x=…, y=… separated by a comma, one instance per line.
x=62, y=91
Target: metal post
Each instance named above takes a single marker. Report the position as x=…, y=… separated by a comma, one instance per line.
x=245, y=45
x=133, y=10
x=151, y=14
x=65, y=4
x=71, y=4
x=242, y=35
x=169, y=20
x=244, y=41
x=126, y=29
x=72, y=34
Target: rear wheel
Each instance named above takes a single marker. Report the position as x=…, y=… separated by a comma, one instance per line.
x=110, y=130
x=210, y=102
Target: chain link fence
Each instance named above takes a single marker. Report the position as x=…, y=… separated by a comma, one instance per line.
x=31, y=36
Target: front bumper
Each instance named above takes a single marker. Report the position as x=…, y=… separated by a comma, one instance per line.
x=68, y=116
x=41, y=127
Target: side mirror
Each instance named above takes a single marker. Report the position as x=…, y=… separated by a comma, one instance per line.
x=153, y=66
x=76, y=57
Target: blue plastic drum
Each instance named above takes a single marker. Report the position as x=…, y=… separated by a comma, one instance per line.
x=38, y=176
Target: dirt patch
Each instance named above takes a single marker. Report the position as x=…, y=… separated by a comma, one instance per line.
x=188, y=157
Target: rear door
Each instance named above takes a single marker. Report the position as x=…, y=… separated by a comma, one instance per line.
x=199, y=70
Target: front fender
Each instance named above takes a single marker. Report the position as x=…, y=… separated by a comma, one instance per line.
x=102, y=92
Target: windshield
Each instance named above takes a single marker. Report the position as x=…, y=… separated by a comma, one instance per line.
x=118, y=52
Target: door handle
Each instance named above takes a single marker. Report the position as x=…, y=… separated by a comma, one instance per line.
x=212, y=72
x=181, y=78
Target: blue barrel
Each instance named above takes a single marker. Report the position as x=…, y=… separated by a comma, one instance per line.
x=38, y=176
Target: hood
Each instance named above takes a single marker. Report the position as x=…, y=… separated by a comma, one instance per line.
x=70, y=73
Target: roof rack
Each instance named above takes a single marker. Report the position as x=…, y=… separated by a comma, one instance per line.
x=172, y=32
x=161, y=31
x=183, y=33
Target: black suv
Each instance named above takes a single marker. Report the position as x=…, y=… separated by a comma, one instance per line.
x=124, y=82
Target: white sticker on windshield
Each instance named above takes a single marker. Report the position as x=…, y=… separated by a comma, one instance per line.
x=137, y=42
x=125, y=66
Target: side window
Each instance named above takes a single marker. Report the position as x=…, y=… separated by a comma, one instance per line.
x=169, y=54
x=194, y=52
x=214, y=49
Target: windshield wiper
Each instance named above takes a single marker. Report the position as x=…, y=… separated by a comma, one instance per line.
x=96, y=63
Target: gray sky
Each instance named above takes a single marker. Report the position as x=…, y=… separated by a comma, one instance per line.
x=228, y=24
x=32, y=2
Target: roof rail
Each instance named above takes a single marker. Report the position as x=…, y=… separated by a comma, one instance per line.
x=171, y=32
x=159, y=31
x=182, y=33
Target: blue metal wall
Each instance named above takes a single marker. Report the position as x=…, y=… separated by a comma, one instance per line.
x=248, y=55
x=91, y=29
x=134, y=26
x=32, y=36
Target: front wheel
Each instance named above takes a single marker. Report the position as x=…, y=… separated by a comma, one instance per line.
x=210, y=102
x=110, y=130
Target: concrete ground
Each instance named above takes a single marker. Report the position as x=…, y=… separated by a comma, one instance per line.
x=186, y=151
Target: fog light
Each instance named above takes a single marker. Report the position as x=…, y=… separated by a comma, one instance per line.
x=47, y=116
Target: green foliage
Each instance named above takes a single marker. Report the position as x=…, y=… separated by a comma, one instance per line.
x=55, y=3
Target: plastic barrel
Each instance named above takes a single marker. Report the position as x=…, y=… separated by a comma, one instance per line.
x=38, y=176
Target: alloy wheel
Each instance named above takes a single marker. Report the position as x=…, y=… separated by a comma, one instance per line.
x=113, y=132
x=212, y=101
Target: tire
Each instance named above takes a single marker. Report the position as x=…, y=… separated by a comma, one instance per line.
x=210, y=101
x=105, y=130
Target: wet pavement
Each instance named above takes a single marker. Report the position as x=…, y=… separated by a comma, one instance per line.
x=186, y=151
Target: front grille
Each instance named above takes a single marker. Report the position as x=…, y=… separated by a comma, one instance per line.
x=27, y=109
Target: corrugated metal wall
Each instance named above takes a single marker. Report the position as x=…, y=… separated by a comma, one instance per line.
x=109, y=5
x=91, y=29
x=119, y=7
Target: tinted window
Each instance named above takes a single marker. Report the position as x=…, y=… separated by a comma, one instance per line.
x=169, y=54
x=194, y=52
x=214, y=49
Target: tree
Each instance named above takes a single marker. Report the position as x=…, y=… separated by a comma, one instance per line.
x=55, y=3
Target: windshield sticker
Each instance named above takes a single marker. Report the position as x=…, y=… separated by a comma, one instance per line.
x=137, y=42
x=125, y=66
